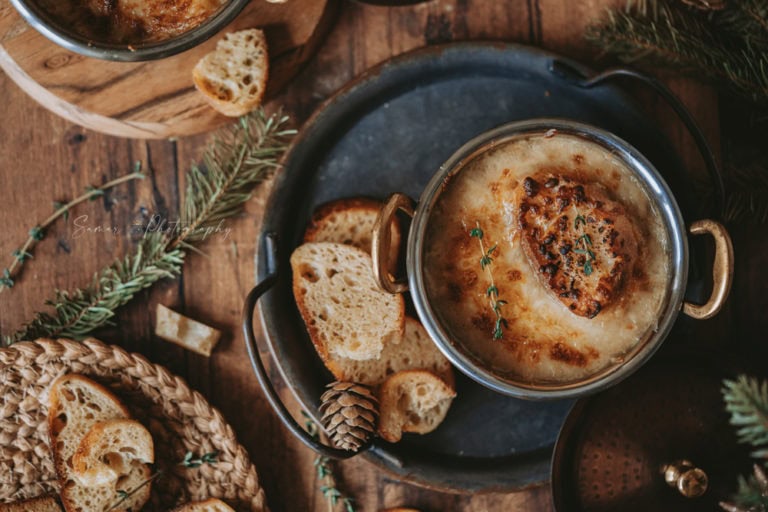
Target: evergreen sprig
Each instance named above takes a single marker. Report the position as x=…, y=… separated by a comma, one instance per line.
x=77, y=313
x=746, y=399
x=325, y=475
x=728, y=47
x=751, y=494
x=238, y=159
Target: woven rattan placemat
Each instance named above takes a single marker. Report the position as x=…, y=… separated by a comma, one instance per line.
x=180, y=420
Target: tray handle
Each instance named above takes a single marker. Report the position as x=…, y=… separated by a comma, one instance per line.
x=573, y=75
x=270, y=241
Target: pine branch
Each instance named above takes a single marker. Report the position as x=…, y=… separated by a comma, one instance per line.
x=236, y=161
x=668, y=34
x=747, y=199
x=78, y=313
x=751, y=495
x=746, y=399
x=233, y=164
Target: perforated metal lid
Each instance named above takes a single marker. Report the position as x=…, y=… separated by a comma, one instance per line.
x=646, y=443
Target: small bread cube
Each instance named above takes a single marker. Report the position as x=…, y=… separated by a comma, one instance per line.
x=190, y=334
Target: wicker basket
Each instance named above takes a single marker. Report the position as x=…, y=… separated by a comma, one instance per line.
x=180, y=420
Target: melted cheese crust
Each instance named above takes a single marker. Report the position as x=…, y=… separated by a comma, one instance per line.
x=132, y=21
x=543, y=341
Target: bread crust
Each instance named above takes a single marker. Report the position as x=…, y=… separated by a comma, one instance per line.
x=39, y=504
x=232, y=107
x=393, y=420
x=306, y=312
x=55, y=429
x=349, y=205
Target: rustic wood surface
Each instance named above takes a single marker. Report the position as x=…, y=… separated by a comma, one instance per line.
x=45, y=158
x=154, y=99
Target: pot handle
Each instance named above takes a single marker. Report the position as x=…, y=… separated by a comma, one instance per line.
x=270, y=241
x=381, y=247
x=722, y=270
x=573, y=75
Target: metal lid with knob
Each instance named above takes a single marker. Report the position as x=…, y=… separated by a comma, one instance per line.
x=658, y=441
x=689, y=480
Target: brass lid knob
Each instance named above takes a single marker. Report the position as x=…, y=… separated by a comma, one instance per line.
x=689, y=480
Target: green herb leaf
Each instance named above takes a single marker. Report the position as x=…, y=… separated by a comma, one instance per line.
x=490, y=251
x=588, y=268
x=579, y=220
x=476, y=233
x=94, y=192
x=58, y=205
x=492, y=290
x=6, y=280
x=21, y=255
x=37, y=233
x=485, y=261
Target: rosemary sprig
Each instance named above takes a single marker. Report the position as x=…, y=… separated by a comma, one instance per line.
x=190, y=460
x=235, y=162
x=37, y=232
x=325, y=474
x=492, y=291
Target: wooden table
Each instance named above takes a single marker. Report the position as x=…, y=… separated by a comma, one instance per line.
x=44, y=158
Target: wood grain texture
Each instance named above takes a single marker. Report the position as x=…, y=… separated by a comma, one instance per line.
x=154, y=99
x=43, y=157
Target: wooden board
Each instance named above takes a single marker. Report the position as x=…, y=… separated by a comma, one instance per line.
x=154, y=99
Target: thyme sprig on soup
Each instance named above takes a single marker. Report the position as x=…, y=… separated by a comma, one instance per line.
x=580, y=257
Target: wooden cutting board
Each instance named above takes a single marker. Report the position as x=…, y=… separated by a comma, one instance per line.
x=154, y=99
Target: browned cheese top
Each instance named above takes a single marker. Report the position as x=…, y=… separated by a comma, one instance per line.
x=546, y=260
x=132, y=21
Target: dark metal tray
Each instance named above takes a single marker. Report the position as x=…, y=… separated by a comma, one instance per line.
x=389, y=131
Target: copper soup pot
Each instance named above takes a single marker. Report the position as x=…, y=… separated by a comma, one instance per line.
x=657, y=191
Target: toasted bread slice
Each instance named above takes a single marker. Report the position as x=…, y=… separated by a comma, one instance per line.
x=580, y=243
x=412, y=401
x=109, y=450
x=233, y=77
x=348, y=221
x=415, y=351
x=76, y=405
x=209, y=505
x=42, y=504
x=345, y=313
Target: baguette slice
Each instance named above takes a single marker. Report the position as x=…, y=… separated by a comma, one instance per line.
x=76, y=405
x=42, y=504
x=347, y=316
x=416, y=351
x=109, y=450
x=209, y=505
x=348, y=221
x=233, y=77
x=412, y=401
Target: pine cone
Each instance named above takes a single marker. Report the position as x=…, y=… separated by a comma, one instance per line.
x=349, y=414
x=707, y=5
